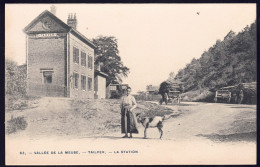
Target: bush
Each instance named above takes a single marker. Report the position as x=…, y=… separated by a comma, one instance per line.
x=15, y=79
x=20, y=103
x=209, y=97
x=15, y=103
x=199, y=96
x=14, y=124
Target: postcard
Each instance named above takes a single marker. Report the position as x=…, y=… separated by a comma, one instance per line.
x=130, y=84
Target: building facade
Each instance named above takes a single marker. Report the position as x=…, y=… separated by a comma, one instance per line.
x=60, y=60
x=100, y=84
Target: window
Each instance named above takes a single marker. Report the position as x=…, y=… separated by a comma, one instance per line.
x=89, y=83
x=90, y=61
x=112, y=87
x=47, y=77
x=83, y=82
x=83, y=59
x=75, y=55
x=76, y=80
x=124, y=87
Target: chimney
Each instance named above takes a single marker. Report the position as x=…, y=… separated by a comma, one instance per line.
x=53, y=9
x=72, y=20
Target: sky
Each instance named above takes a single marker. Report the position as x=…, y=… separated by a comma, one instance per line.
x=153, y=39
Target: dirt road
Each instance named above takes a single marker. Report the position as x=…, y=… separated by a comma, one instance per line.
x=204, y=133
x=217, y=122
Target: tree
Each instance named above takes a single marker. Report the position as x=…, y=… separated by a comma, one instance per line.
x=107, y=54
x=228, y=62
x=148, y=87
x=15, y=78
x=171, y=77
x=230, y=35
x=141, y=92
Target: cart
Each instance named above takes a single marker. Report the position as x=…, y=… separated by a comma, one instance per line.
x=170, y=97
x=174, y=95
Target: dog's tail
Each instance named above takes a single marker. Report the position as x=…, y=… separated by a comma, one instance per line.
x=165, y=117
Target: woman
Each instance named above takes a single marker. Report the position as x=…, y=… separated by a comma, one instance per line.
x=128, y=117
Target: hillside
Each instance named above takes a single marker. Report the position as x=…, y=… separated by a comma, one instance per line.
x=228, y=62
x=45, y=117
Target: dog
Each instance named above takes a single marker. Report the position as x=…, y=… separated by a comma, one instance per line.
x=151, y=122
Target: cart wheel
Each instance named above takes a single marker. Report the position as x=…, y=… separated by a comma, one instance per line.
x=240, y=100
x=215, y=100
x=235, y=100
x=228, y=100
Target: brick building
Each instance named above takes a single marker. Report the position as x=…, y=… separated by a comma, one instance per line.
x=60, y=60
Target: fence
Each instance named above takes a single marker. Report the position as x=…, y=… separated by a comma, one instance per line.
x=51, y=90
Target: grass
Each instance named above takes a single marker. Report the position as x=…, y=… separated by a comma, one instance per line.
x=150, y=109
x=80, y=118
x=202, y=95
x=198, y=96
x=73, y=117
x=18, y=102
x=148, y=97
x=245, y=122
x=105, y=114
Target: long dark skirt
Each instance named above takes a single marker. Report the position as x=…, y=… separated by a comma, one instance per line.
x=128, y=121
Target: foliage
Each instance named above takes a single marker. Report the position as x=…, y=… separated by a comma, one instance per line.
x=164, y=87
x=147, y=97
x=228, y=62
x=14, y=124
x=16, y=103
x=152, y=89
x=171, y=77
x=148, y=109
x=107, y=55
x=173, y=85
x=148, y=87
x=141, y=92
x=15, y=79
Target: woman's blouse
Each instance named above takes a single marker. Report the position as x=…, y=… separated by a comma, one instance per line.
x=128, y=101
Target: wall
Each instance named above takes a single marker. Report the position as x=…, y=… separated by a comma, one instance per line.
x=100, y=84
x=46, y=53
x=73, y=67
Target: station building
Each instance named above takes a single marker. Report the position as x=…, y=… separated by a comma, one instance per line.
x=60, y=60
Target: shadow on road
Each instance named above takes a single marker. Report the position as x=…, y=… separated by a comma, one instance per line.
x=121, y=137
x=181, y=104
x=243, y=107
x=112, y=137
x=237, y=137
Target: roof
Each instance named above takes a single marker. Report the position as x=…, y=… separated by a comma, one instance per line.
x=228, y=87
x=83, y=38
x=118, y=84
x=153, y=88
x=22, y=66
x=67, y=27
x=100, y=73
